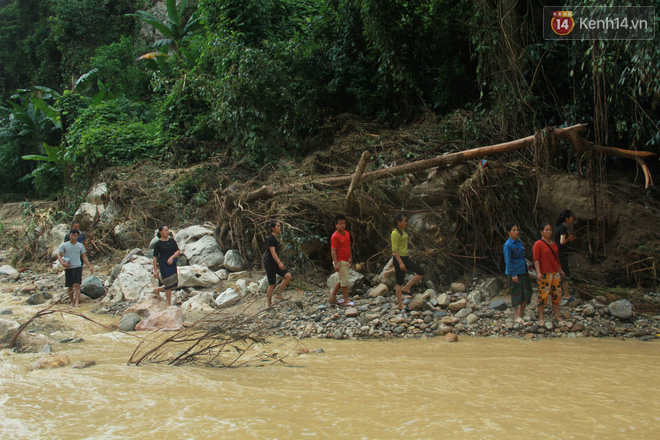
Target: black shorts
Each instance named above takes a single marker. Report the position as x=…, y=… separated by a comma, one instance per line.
x=272, y=270
x=72, y=276
x=410, y=266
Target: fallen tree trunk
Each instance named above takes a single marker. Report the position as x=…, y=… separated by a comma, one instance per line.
x=571, y=134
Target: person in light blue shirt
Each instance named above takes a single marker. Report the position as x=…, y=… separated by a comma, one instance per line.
x=516, y=270
x=76, y=254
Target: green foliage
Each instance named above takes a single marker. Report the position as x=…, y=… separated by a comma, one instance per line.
x=115, y=132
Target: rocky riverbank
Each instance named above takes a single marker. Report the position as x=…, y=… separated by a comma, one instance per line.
x=479, y=309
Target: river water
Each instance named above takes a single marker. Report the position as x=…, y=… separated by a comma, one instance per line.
x=478, y=388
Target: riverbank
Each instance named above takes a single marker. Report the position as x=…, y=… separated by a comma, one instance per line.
x=305, y=312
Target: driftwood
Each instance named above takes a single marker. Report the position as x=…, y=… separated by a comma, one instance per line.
x=355, y=183
x=571, y=134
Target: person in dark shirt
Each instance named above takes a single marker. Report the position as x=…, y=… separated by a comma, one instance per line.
x=562, y=237
x=166, y=253
x=272, y=263
x=81, y=237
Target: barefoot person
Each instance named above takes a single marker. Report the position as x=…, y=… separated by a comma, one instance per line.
x=340, y=246
x=516, y=270
x=272, y=263
x=76, y=254
x=562, y=238
x=401, y=260
x=166, y=252
x=548, y=270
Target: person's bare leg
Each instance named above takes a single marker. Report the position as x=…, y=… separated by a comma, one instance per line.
x=333, y=294
x=564, y=288
x=283, y=286
x=399, y=297
x=541, y=320
x=555, y=310
x=168, y=296
x=70, y=292
x=344, y=291
x=269, y=294
x=414, y=280
x=76, y=293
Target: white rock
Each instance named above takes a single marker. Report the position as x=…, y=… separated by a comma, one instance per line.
x=170, y=319
x=191, y=234
x=355, y=280
x=237, y=275
x=197, y=275
x=126, y=234
x=201, y=302
x=379, y=290
x=242, y=286
x=222, y=274
x=227, y=298
x=49, y=243
x=134, y=281
x=263, y=285
x=444, y=300
x=87, y=213
x=387, y=275
x=98, y=195
x=109, y=215
x=9, y=271
x=253, y=287
x=233, y=261
x=205, y=251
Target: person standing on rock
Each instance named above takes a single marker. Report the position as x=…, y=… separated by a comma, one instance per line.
x=340, y=247
x=76, y=254
x=81, y=237
x=516, y=270
x=273, y=265
x=548, y=272
x=166, y=252
x=401, y=259
x=562, y=238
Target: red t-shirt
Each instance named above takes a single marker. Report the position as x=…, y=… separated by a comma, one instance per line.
x=342, y=244
x=548, y=261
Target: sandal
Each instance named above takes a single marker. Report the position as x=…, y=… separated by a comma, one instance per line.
x=349, y=304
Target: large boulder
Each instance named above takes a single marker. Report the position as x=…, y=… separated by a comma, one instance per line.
x=134, y=281
x=147, y=306
x=10, y=272
x=127, y=234
x=197, y=275
x=92, y=287
x=191, y=234
x=170, y=319
x=98, y=195
x=201, y=302
x=8, y=328
x=355, y=280
x=49, y=243
x=87, y=213
x=388, y=275
x=227, y=298
x=205, y=251
x=128, y=322
x=109, y=215
x=622, y=309
x=379, y=290
x=233, y=261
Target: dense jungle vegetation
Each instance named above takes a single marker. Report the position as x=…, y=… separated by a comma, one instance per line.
x=89, y=84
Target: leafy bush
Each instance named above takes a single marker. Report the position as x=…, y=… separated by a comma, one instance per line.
x=115, y=132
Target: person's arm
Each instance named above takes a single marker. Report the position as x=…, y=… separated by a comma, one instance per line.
x=155, y=267
x=335, y=263
x=60, y=254
x=536, y=253
x=508, y=263
x=539, y=275
x=86, y=261
x=176, y=254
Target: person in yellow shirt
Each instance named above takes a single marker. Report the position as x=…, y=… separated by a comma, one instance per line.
x=401, y=260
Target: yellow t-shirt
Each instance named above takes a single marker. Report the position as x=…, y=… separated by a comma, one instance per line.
x=399, y=242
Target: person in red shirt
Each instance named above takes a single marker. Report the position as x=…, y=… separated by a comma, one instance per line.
x=548, y=272
x=340, y=245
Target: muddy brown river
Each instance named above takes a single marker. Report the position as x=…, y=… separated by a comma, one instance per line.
x=478, y=388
